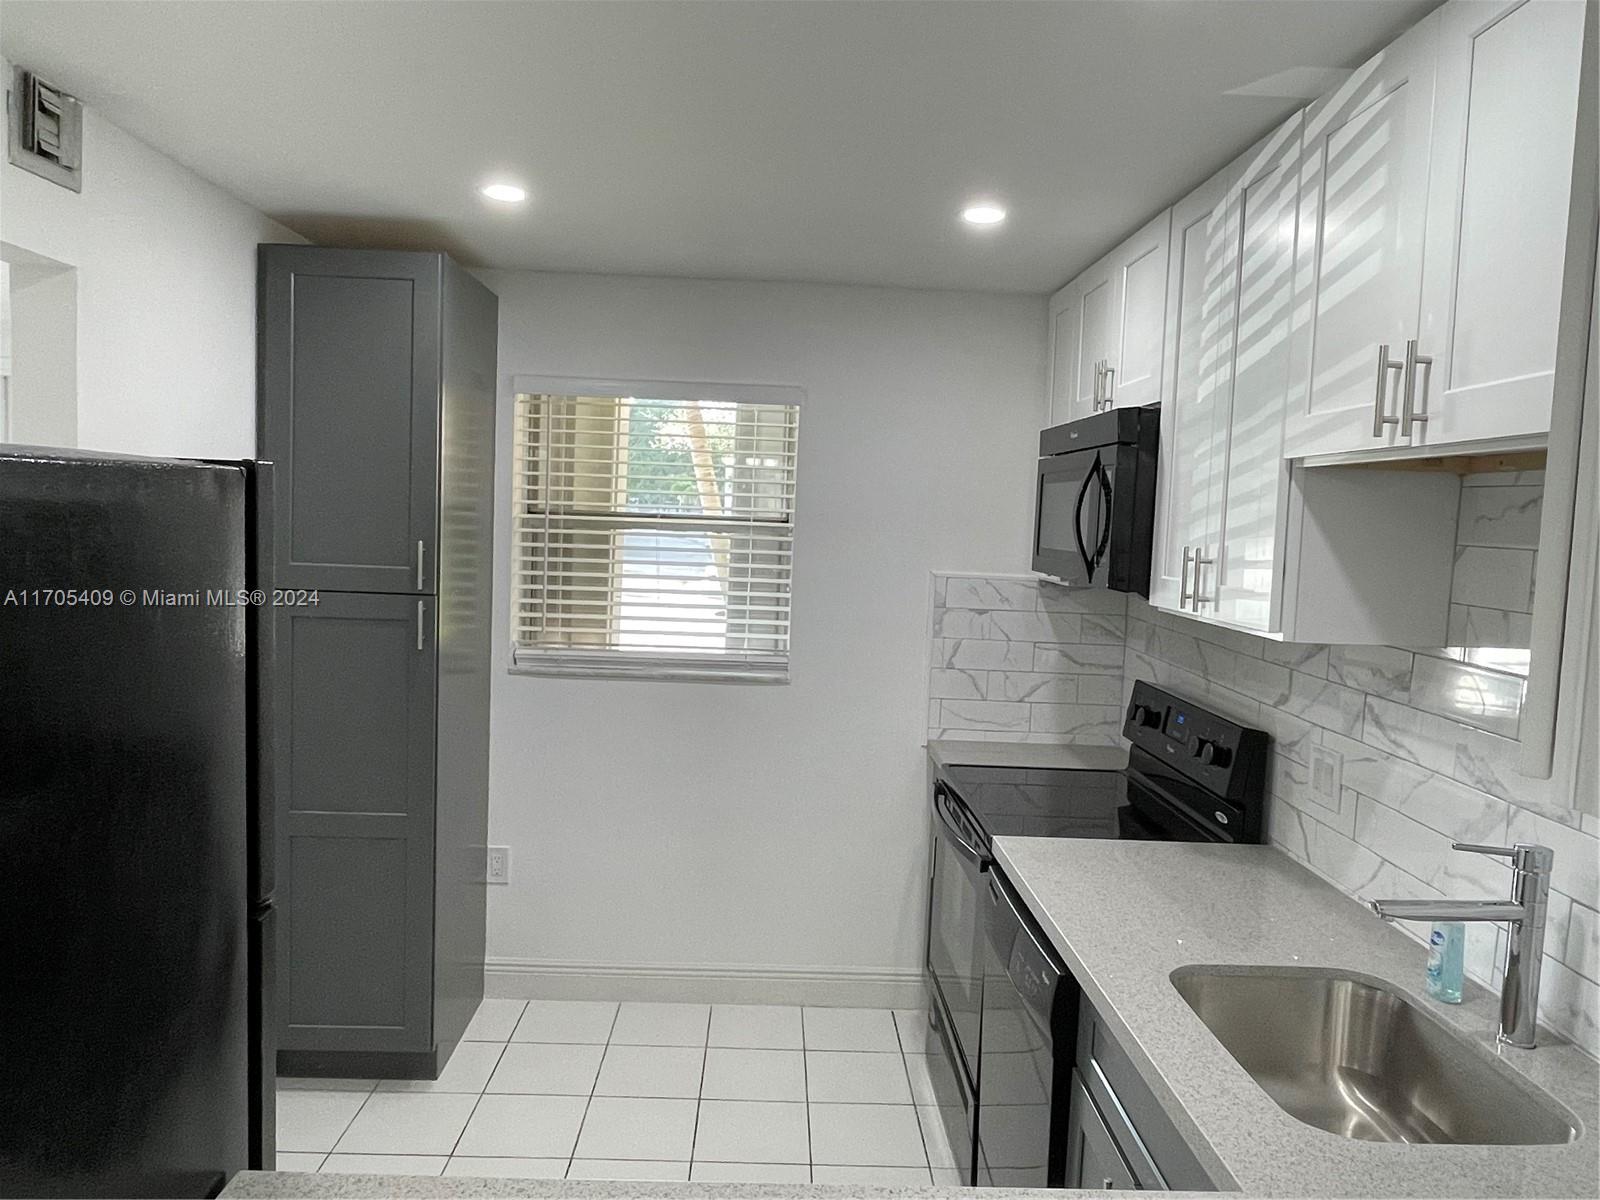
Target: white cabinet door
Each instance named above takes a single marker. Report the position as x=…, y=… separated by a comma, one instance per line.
x=1505, y=117
x=1096, y=336
x=1255, y=489
x=1199, y=343
x=1066, y=320
x=1140, y=279
x=1358, y=276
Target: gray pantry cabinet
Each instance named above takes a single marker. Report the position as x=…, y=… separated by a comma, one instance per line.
x=376, y=403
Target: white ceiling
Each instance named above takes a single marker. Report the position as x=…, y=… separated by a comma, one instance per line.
x=816, y=141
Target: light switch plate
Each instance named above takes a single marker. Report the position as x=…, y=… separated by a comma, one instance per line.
x=1327, y=776
x=497, y=868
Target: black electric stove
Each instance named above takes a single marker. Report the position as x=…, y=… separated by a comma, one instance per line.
x=1192, y=776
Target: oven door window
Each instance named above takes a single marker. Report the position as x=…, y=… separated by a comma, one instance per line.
x=953, y=931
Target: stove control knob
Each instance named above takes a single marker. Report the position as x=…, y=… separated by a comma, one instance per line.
x=1209, y=753
x=1144, y=717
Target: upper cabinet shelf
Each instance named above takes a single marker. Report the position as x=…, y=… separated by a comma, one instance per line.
x=1435, y=191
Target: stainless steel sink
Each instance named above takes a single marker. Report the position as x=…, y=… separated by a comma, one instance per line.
x=1358, y=1060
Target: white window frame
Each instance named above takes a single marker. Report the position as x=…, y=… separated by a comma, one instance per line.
x=630, y=664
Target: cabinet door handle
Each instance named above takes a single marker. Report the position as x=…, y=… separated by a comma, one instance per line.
x=1409, y=415
x=1183, y=578
x=1198, y=563
x=1094, y=405
x=419, y=564
x=421, y=611
x=1111, y=384
x=1385, y=365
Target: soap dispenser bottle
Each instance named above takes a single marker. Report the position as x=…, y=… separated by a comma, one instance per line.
x=1446, y=959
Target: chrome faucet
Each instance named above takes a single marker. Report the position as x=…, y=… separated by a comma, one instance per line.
x=1524, y=913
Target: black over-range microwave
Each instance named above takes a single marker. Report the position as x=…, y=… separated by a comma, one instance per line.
x=1095, y=507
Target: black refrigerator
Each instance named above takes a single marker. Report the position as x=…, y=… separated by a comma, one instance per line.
x=136, y=915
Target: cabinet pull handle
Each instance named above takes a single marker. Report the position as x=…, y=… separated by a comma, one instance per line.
x=419, y=563
x=1094, y=405
x=1385, y=365
x=1198, y=563
x=1183, y=578
x=1111, y=384
x=1409, y=415
x=420, y=611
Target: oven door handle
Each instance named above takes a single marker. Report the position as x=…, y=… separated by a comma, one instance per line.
x=941, y=800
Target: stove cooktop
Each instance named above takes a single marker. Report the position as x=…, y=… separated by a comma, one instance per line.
x=1047, y=802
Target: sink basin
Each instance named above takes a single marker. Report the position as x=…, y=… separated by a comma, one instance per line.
x=1359, y=1060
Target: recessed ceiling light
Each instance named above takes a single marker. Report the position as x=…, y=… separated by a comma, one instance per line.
x=505, y=193
x=983, y=214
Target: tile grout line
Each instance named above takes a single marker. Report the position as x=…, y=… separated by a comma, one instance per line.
x=373, y=1091
x=577, y=1137
x=915, y=1112
x=483, y=1091
x=699, y=1095
x=805, y=1077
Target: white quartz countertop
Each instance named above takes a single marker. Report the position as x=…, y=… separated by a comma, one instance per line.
x=1125, y=915
x=295, y=1185
x=948, y=752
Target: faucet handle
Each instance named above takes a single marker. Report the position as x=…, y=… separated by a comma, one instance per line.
x=1475, y=848
x=1524, y=856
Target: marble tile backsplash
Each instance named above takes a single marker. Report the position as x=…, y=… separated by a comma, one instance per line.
x=1017, y=659
x=1497, y=539
x=1426, y=747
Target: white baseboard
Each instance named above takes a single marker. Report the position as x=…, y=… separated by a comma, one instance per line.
x=843, y=987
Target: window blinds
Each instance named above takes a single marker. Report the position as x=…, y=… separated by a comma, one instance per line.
x=653, y=537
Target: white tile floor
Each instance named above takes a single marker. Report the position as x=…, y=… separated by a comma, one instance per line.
x=598, y=1090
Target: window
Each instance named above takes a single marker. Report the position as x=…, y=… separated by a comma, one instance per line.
x=654, y=534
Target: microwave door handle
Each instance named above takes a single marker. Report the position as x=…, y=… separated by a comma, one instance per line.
x=1105, y=512
x=1077, y=521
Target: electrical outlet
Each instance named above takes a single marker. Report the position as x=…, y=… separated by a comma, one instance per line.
x=1327, y=776
x=498, y=867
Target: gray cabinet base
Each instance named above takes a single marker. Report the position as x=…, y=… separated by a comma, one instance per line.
x=364, y=1064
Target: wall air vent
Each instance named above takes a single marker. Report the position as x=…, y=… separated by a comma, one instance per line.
x=46, y=130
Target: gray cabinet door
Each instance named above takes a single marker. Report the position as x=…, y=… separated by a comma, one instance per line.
x=349, y=363
x=1092, y=1158
x=354, y=699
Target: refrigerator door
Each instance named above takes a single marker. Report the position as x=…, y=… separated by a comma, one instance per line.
x=123, y=810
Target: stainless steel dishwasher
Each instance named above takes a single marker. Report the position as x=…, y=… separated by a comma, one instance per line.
x=1030, y=1024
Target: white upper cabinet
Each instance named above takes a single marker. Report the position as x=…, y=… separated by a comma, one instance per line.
x=1199, y=344
x=1224, y=482
x=1066, y=323
x=1106, y=329
x=1139, y=276
x=1096, y=334
x=1505, y=116
x=1435, y=190
x=1363, y=193
x=1261, y=216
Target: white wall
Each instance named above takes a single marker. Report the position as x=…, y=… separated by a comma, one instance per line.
x=43, y=379
x=745, y=826
x=166, y=294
